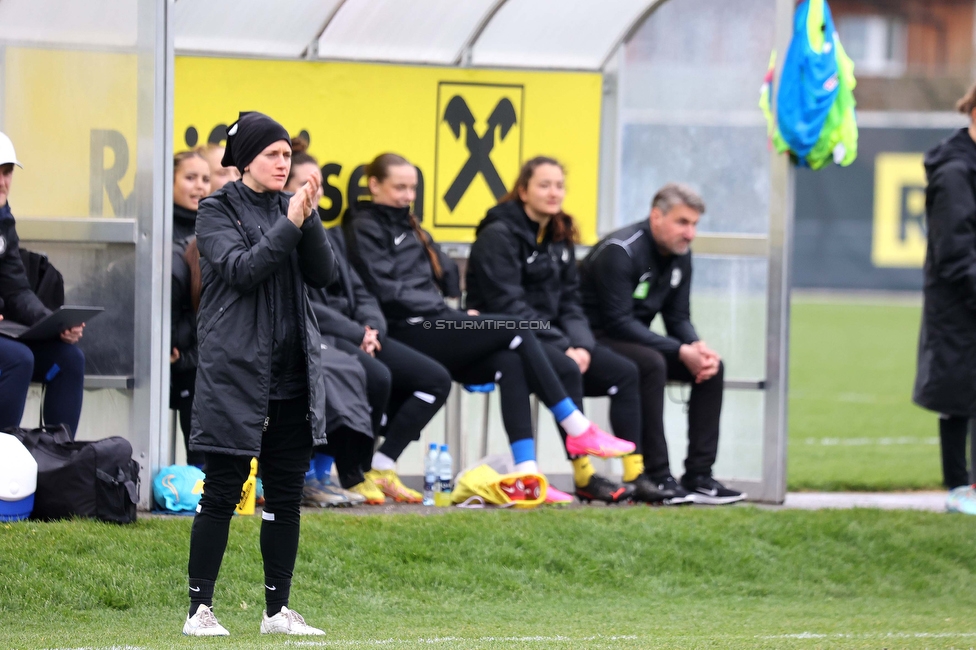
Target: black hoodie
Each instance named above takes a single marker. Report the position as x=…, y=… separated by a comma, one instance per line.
x=510, y=272
x=386, y=252
x=946, y=377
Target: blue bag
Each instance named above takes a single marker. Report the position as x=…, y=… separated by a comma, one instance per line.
x=178, y=488
x=809, y=83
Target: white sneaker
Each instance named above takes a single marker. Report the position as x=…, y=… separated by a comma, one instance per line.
x=204, y=623
x=287, y=622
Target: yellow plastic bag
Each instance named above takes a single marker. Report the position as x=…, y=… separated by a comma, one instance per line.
x=483, y=486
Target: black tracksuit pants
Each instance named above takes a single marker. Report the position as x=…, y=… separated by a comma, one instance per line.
x=510, y=358
x=952, y=435
x=181, y=387
x=610, y=374
x=417, y=387
x=704, y=409
x=286, y=448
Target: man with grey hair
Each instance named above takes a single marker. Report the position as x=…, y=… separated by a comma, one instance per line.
x=627, y=279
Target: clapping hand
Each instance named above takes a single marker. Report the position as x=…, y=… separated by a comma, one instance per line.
x=302, y=204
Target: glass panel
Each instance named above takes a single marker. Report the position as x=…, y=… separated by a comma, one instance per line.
x=555, y=33
x=78, y=99
x=728, y=309
x=740, y=450
x=672, y=129
x=428, y=31
x=254, y=27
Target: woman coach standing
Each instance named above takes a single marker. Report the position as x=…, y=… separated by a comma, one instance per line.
x=946, y=378
x=259, y=389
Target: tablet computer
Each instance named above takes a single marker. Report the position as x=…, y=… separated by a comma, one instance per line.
x=51, y=326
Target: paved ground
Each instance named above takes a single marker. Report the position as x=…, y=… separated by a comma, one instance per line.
x=929, y=501
x=932, y=501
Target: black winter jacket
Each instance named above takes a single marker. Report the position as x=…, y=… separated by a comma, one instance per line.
x=235, y=325
x=17, y=302
x=345, y=307
x=510, y=272
x=946, y=378
x=626, y=282
x=394, y=264
x=183, y=320
x=184, y=224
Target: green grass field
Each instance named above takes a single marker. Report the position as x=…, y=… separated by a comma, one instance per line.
x=624, y=577
x=852, y=423
x=598, y=577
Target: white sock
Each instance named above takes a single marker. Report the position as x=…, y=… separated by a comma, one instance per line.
x=527, y=467
x=576, y=424
x=382, y=462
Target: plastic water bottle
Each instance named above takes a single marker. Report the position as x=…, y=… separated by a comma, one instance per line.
x=445, y=473
x=430, y=474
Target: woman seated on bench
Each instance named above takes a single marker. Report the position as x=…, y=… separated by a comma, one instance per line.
x=58, y=363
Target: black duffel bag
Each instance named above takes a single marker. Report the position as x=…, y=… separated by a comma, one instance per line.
x=81, y=478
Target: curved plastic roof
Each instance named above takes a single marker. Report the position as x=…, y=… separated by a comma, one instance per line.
x=533, y=34
x=538, y=34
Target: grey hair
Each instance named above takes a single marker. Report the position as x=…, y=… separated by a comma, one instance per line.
x=674, y=194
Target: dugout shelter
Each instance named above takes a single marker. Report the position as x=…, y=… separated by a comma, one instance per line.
x=629, y=94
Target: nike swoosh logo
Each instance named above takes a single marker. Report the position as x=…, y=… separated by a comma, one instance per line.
x=712, y=493
x=400, y=238
x=194, y=589
x=270, y=588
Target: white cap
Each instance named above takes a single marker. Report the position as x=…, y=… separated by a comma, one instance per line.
x=7, y=154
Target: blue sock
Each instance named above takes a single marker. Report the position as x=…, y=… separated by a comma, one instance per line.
x=323, y=466
x=563, y=409
x=523, y=450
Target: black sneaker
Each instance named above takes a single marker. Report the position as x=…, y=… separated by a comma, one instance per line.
x=661, y=492
x=708, y=491
x=603, y=489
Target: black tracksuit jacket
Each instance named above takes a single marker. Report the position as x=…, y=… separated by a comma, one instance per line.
x=17, y=301
x=345, y=307
x=393, y=263
x=626, y=282
x=510, y=272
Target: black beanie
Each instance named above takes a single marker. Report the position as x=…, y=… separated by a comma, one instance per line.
x=249, y=136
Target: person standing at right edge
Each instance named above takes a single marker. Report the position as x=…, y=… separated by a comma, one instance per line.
x=946, y=378
x=628, y=278
x=259, y=386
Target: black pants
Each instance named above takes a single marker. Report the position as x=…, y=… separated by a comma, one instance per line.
x=285, y=451
x=510, y=358
x=609, y=374
x=952, y=434
x=181, y=386
x=353, y=454
x=704, y=409
x=416, y=386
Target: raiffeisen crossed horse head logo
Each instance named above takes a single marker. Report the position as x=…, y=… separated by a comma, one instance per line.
x=479, y=142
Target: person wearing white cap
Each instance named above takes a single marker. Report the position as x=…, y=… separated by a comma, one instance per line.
x=57, y=362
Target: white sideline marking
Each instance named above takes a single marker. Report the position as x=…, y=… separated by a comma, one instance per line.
x=455, y=639
x=866, y=442
x=874, y=635
x=111, y=647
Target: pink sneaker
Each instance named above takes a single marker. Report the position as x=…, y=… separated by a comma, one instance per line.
x=601, y=444
x=557, y=497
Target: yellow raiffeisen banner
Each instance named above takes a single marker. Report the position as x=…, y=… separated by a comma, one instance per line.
x=466, y=130
x=72, y=118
